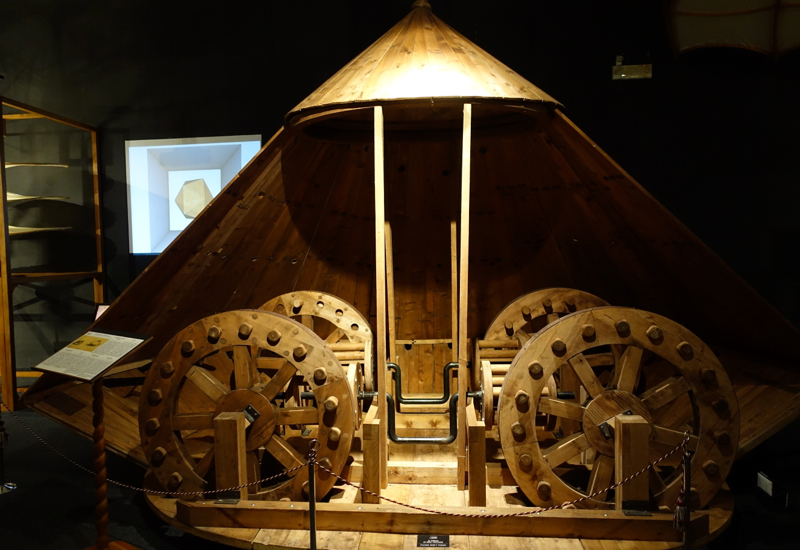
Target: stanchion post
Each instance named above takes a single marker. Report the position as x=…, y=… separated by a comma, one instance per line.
x=312, y=493
x=687, y=473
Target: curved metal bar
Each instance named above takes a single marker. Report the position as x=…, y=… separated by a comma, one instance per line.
x=398, y=385
x=392, y=427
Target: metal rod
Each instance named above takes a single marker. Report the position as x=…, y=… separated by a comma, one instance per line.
x=392, y=428
x=398, y=387
x=687, y=473
x=312, y=493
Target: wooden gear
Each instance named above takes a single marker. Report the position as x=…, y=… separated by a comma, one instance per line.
x=220, y=364
x=511, y=329
x=698, y=398
x=348, y=334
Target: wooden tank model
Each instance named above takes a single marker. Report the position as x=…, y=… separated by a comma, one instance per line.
x=370, y=281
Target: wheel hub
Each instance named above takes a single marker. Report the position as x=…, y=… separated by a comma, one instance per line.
x=600, y=415
x=248, y=401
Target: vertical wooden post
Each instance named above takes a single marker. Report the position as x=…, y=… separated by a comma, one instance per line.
x=7, y=368
x=100, y=476
x=390, y=294
x=99, y=278
x=230, y=454
x=454, y=286
x=631, y=438
x=463, y=295
x=380, y=286
x=372, y=455
x=476, y=433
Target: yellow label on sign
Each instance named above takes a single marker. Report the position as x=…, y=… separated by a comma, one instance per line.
x=88, y=343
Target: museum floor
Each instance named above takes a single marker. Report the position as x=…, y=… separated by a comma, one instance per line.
x=53, y=506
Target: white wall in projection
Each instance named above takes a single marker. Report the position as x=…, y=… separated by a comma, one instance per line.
x=158, y=171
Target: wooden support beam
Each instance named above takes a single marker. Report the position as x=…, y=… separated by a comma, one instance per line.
x=390, y=294
x=380, y=287
x=371, y=435
x=476, y=450
x=584, y=524
x=454, y=286
x=463, y=296
x=631, y=438
x=7, y=374
x=230, y=456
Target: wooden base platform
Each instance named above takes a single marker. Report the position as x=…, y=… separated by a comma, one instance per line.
x=719, y=514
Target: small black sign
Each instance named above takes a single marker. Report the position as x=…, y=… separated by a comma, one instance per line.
x=433, y=541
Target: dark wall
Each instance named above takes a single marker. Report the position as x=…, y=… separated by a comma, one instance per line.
x=714, y=135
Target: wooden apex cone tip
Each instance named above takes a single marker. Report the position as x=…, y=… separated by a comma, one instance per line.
x=421, y=4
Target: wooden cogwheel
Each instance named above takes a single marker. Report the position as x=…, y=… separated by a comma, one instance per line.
x=665, y=374
x=245, y=361
x=516, y=324
x=341, y=324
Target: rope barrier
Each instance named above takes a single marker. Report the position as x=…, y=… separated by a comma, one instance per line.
x=313, y=460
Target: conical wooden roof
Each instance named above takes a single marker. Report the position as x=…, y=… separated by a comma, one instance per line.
x=424, y=64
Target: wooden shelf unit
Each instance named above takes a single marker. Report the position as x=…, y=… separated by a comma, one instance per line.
x=14, y=114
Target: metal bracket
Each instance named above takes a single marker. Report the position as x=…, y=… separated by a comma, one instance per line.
x=636, y=508
x=251, y=414
x=605, y=429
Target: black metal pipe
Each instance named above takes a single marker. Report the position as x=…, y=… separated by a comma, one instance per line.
x=392, y=427
x=398, y=387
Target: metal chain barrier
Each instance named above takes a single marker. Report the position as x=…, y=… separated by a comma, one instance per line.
x=312, y=459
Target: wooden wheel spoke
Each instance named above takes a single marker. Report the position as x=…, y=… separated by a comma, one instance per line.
x=193, y=421
x=668, y=390
x=207, y=383
x=561, y=408
x=522, y=336
x=565, y=449
x=335, y=336
x=657, y=485
x=672, y=438
x=601, y=476
x=204, y=464
x=277, y=383
x=244, y=371
x=297, y=415
x=284, y=453
x=627, y=370
x=586, y=375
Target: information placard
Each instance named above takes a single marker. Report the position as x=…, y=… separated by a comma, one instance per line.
x=92, y=354
x=433, y=541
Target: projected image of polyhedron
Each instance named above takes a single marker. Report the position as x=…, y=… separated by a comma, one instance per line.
x=434, y=274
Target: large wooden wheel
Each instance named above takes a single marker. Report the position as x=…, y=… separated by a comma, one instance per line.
x=665, y=374
x=335, y=321
x=243, y=361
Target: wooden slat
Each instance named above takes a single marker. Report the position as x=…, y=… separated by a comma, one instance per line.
x=296, y=415
x=193, y=421
x=395, y=519
x=585, y=374
x=206, y=383
x=565, y=449
x=284, y=452
x=666, y=391
x=561, y=408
